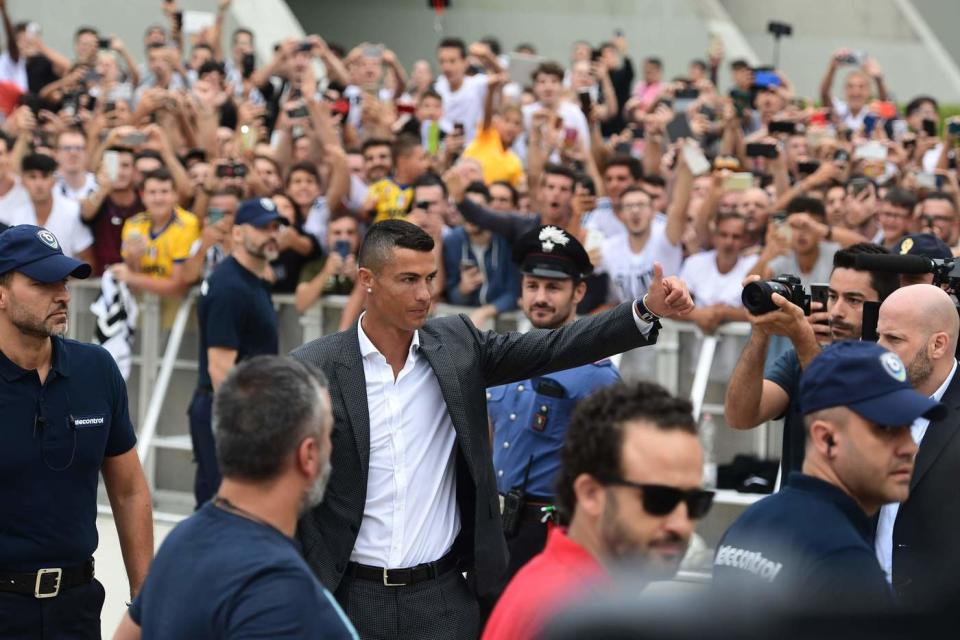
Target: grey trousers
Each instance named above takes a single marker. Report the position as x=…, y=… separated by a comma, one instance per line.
x=439, y=609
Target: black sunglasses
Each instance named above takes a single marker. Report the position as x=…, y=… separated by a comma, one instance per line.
x=660, y=500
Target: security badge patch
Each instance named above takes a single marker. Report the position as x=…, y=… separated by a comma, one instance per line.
x=48, y=239
x=894, y=366
x=551, y=236
x=540, y=419
x=905, y=246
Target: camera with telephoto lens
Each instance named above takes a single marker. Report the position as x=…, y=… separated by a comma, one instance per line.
x=757, y=300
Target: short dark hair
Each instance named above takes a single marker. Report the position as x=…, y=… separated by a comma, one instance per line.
x=429, y=93
x=369, y=143
x=941, y=195
x=304, y=166
x=806, y=204
x=494, y=43
x=239, y=31
x=383, y=237
x=429, y=179
x=739, y=64
x=161, y=175
x=478, y=187
x=594, y=440
x=211, y=66
x=552, y=169
x=514, y=196
x=699, y=64
x=550, y=68
x=525, y=46
x=655, y=61
x=265, y=407
x=623, y=160
x=883, y=282
x=918, y=102
x=901, y=198
x=84, y=30
x=454, y=43
x=38, y=162
x=404, y=144
x=148, y=153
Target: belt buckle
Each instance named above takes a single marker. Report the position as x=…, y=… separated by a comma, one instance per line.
x=57, y=574
x=387, y=583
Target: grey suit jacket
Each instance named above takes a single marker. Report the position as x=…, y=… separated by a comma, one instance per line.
x=926, y=552
x=466, y=361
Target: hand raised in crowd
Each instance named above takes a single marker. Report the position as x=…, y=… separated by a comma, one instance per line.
x=667, y=297
x=471, y=279
x=776, y=242
x=456, y=184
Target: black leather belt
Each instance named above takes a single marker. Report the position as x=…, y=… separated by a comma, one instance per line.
x=403, y=577
x=47, y=582
x=533, y=512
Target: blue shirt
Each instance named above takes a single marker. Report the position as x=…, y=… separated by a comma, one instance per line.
x=530, y=418
x=235, y=312
x=785, y=372
x=221, y=575
x=501, y=286
x=53, y=440
x=811, y=540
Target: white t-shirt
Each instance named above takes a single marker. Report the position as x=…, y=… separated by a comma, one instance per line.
x=853, y=121
x=12, y=200
x=464, y=105
x=605, y=220
x=89, y=186
x=316, y=220
x=15, y=72
x=64, y=223
x=572, y=117
x=630, y=273
x=708, y=286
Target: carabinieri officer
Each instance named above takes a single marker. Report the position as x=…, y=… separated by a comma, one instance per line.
x=530, y=417
x=237, y=321
x=64, y=421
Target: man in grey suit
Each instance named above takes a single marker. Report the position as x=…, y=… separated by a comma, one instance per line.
x=412, y=501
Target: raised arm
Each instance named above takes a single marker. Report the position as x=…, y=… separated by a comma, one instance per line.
x=826, y=84
x=12, y=47
x=679, y=201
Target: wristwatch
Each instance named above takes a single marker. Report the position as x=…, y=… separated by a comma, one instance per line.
x=645, y=314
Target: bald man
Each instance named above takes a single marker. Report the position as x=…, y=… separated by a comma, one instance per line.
x=917, y=541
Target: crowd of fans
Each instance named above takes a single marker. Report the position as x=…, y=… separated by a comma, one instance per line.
x=139, y=169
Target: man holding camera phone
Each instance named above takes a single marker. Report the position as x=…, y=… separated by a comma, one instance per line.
x=755, y=395
x=851, y=110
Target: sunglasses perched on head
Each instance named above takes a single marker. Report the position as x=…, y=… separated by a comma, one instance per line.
x=661, y=500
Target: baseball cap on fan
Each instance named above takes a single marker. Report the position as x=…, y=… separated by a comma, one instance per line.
x=35, y=252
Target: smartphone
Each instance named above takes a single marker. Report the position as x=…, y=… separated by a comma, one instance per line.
x=178, y=20
x=696, y=161
x=304, y=46
x=870, y=123
x=231, y=171
x=781, y=126
x=806, y=168
x=854, y=57
x=679, y=127
x=726, y=162
x=687, y=93
x=569, y=136
x=134, y=139
x=765, y=77
x=637, y=129
x=298, y=112
x=247, y=65
x=111, y=164
x=103, y=43
x=342, y=247
x=588, y=185
x=738, y=181
x=841, y=156
x=458, y=129
x=779, y=220
x=372, y=51
x=214, y=215
x=761, y=150
x=953, y=128
x=871, y=314
x=109, y=106
x=248, y=137
x=585, y=102
x=820, y=293
x=926, y=180
x=467, y=263
x=870, y=151
x=929, y=127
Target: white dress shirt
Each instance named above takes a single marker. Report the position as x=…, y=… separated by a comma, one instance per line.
x=888, y=512
x=411, y=515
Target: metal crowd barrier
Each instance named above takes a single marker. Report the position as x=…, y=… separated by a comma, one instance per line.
x=165, y=368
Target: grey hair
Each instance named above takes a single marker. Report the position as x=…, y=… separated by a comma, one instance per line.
x=262, y=411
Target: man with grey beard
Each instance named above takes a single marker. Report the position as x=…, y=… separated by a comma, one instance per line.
x=916, y=540
x=232, y=569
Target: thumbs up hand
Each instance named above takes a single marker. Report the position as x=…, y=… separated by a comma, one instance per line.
x=667, y=297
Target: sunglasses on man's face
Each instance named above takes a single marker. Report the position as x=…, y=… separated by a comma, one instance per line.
x=661, y=500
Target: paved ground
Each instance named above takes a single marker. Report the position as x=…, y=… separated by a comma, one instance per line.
x=111, y=573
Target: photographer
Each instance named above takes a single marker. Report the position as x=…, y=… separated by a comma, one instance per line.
x=851, y=111
x=755, y=395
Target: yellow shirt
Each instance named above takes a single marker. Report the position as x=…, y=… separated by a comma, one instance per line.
x=498, y=163
x=166, y=247
x=393, y=200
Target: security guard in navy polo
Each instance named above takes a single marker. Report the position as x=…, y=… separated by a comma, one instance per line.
x=237, y=321
x=64, y=422
x=812, y=542
x=530, y=417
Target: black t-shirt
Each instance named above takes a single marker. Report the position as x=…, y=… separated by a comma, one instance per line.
x=220, y=575
x=289, y=264
x=235, y=312
x=810, y=541
x=40, y=73
x=53, y=440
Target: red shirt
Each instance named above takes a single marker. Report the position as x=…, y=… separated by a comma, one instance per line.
x=563, y=570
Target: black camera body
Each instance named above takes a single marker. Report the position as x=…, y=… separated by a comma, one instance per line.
x=757, y=300
x=779, y=29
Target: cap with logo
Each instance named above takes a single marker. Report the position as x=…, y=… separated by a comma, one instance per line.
x=36, y=253
x=258, y=212
x=923, y=244
x=551, y=252
x=867, y=379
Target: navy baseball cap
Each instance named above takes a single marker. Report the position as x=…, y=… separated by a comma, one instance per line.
x=923, y=244
x=36, y=253
x=867, y=379
x=259, y=212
